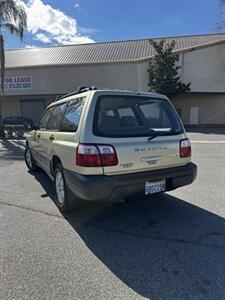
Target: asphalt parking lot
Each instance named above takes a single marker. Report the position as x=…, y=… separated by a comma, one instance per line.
x=169, y=246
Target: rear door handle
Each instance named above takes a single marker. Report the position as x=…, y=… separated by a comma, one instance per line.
x=52, y=137
x=38, y=135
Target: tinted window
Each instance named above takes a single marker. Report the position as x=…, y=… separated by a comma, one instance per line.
x=72, y=115
x=179, y=111
x=156, y=115
x=14, y=120
x=126, y=112
x=56, y=116
x=134, y=116
x=44, y=119
x=151, y=110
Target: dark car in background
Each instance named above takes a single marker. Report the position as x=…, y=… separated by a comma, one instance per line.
x=17, y=125
x=18, y=120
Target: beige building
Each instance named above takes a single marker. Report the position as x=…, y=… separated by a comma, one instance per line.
x=34, y=77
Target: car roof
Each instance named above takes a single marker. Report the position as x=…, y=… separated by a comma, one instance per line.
x=108, y=92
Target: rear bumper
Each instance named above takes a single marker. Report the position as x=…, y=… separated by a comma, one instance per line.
x=117, y=187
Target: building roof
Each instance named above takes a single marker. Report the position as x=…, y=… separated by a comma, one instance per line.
x=105, y=52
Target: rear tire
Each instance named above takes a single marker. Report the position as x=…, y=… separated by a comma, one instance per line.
x=29, y=160
x=64, y=199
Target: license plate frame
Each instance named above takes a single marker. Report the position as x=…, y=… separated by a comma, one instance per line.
x=152, y=187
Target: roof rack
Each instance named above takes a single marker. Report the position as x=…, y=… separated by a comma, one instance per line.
x=81, y=89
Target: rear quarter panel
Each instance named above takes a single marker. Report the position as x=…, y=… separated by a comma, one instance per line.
x=65, y=144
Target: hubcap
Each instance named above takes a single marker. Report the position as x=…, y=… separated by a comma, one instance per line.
x=28, y=158
x=60, y=187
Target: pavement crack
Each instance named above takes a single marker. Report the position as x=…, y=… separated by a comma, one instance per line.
x=158, y=237
x=139, y=235
x=32, y=209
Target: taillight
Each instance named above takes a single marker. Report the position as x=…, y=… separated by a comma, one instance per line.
x=185, y=148
x=108, y=155
x=96, y=155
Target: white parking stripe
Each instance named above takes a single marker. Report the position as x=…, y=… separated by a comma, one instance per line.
x=208, y=142
x=16, y=144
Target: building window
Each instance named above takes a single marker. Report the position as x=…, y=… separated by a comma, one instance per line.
x=194, y=115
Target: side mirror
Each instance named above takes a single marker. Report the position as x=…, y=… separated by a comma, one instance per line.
x=35, y=126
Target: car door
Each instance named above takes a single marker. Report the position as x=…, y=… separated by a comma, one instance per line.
x=35, y=143
x=48, y=136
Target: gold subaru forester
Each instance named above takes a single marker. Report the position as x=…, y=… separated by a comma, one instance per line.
x=105, y=145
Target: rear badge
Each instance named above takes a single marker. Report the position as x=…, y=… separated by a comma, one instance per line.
x=128, y=165
x=151, y=148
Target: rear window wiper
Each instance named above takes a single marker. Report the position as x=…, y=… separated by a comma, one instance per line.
x=160, y=133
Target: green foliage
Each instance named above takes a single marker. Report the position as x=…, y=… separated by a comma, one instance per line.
x=220, y=25
x=163, y=71
x=13, y=18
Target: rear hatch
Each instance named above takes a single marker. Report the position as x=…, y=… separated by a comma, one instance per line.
x=144, y=131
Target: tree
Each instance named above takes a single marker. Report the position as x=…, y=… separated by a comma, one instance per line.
x=13, y=19
x=220, y=26
x=163, y=70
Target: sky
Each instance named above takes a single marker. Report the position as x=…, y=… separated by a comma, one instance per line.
x=63, y=22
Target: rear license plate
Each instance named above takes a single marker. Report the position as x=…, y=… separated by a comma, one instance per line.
x=155, y=187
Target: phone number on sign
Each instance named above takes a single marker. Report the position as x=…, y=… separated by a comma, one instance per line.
x=18, y=86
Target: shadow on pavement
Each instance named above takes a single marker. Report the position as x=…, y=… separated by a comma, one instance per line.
x=205, y=130
x=45, y=182
x=162, y=247
x=12, y=150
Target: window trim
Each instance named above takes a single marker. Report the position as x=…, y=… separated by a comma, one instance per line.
x=37, y=125
x=65, y=113
x=54, y=106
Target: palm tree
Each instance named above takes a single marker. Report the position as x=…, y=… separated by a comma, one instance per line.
x=13, y=18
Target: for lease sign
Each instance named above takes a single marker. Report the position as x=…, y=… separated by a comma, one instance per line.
x=18, y=82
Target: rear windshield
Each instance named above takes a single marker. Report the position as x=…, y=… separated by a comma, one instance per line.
x=133, y=116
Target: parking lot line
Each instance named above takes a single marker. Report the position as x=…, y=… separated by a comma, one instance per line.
x=208, y=142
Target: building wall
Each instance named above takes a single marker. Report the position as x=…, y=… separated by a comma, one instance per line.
x=64, y=79
x=12, y=104
x=204, y=68
x=11, y=108
x=211, y=108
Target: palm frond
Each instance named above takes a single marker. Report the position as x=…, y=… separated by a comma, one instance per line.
x=2, y=58
x=13, y=11
x=11, y=28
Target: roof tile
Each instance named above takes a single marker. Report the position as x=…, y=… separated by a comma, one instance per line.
x=100, y=52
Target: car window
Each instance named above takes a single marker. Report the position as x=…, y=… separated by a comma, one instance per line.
x=134, y=116
x=12, y=120
x=151, y=110
x=155, y=114
x=44, y=119
x=72, y=114
x=110, y=113
x=126, y=112
x=55, y=117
